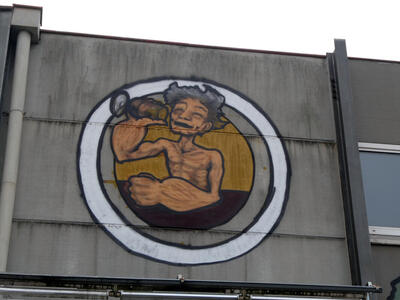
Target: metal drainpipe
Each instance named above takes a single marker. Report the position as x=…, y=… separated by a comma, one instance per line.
x=11, y=158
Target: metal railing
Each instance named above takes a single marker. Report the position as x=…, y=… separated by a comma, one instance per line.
x=20, y=286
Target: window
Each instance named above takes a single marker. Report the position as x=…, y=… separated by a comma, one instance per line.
x=380, y=165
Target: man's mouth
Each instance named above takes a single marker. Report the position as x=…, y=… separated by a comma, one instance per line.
x=184, y=125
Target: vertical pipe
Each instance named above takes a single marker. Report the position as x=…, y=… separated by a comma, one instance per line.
x=11, y=158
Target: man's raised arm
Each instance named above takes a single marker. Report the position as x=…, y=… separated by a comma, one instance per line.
x=127, y=139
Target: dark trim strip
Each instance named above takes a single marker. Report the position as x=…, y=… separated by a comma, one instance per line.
x=359, y=246
x=351, y=245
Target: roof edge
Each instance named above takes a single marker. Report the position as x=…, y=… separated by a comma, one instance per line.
x=208, y=46
x=181, y=44
x=6, y=8
x=376, y=60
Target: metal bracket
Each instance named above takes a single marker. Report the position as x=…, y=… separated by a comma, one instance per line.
x=181, y=278
x=244, y=295
x=115, y=293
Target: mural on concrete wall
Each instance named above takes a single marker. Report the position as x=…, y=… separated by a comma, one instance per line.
x=183, y=153
x=189, y=167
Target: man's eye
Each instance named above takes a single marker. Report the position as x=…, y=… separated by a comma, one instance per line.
x=178, y=110
x=197, y=115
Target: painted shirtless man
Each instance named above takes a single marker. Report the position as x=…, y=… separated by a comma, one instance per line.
x=195, y=172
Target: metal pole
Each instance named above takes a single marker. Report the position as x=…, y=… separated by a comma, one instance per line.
x=169, y=295
x=87, y=294
x=11, y=158
x=50, y=293
x=257, y=297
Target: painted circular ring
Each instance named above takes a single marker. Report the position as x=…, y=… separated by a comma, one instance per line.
x=137, y=243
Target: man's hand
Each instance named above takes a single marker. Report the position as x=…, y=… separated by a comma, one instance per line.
x=145, y=189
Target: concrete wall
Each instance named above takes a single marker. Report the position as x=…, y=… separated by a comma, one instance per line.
x=376, y=98
x=53, y=232
x=377, y=109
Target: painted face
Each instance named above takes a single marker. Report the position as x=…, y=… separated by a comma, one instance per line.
x=189, y=117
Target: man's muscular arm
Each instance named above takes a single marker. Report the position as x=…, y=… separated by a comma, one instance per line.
x=127, y=139
x=178, y=194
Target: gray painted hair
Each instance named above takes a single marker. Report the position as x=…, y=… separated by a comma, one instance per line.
x=210, y=98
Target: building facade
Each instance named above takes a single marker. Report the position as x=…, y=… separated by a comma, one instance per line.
x=125, y=158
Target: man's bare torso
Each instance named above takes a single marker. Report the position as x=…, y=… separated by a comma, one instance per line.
x=192, y=165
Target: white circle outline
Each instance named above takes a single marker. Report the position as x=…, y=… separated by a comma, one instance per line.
x=112, y=223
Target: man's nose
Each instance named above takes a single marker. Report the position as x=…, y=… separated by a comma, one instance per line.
x=185, y=115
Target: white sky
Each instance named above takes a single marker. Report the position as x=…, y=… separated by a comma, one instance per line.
x=371, y=28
